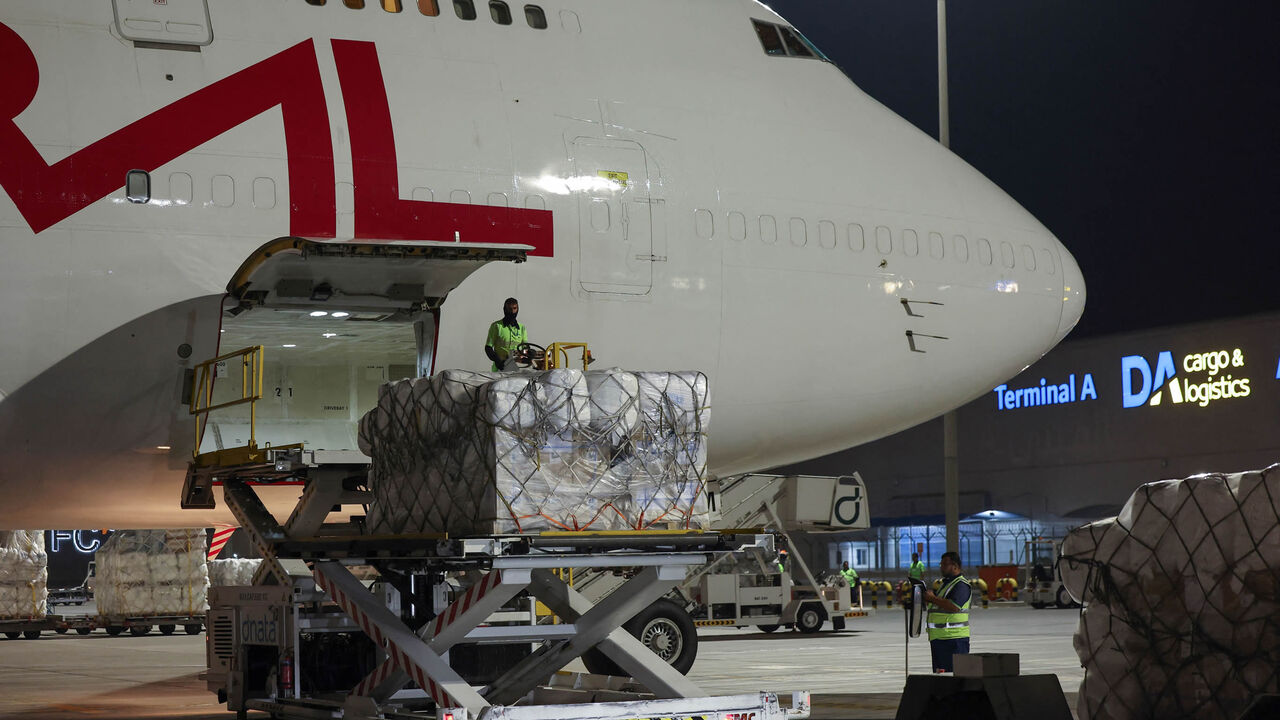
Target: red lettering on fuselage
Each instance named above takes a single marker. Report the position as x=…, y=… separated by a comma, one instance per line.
x=46, y=194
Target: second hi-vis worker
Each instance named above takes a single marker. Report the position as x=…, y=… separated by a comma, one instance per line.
x=948, y=618
x=505, y=336
x=916, y=571
x=849, y=574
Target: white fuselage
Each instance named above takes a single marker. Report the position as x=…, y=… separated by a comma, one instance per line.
x=837, y=274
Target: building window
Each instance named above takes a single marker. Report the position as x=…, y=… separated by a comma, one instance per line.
x=535, y=17
x=499, y=11
x=464, y=9
x=137, y=186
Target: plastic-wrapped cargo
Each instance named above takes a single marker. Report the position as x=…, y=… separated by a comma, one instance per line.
x=1182, y=599
x=499, y=453
x=24, y=575
x=152, y=572
x=232, y=571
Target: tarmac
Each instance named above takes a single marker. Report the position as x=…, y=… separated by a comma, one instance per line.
x=854, y=674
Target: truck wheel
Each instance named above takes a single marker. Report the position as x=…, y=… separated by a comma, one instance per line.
x=60, y=630
x=167, y=629
x=665, y=628
x=84, y=631
x=13, y=635
x=810, y=618
x=767, y=628
x=114, y=630
x=1064, y=598
x=192, y=628
x=31, y=634
x=139, y=630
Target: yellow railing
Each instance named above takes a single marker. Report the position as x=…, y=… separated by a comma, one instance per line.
x=250, y=390
x=558, y=350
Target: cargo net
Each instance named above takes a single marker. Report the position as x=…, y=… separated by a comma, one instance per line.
x=232, y=572
x=500, y=453
x=152, y=572
x=1182, y=599
x=24, y=575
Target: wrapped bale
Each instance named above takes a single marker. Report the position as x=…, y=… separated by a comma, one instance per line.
x=1182, y=593
x=232, y=571
x=24, y=575
x=152, y=572
x=486, y=453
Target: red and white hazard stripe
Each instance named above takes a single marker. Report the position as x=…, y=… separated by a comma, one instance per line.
x=463, y=604
x=220, y=537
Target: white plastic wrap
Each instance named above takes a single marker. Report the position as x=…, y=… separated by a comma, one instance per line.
x=232, y=571
x=24, y=575
x=483, y=453
x=152, y=572
x=1182, y=593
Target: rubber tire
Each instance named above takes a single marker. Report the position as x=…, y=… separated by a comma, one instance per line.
x=139, y=630
x=167, y=629
x=1038, y=605
x=659, y=618
x=810, y=618
x=114, y=630
x=192, y=628
x=83, y=631
x=60, y=631
x=767, y=628
x=31, y=634
x=1064, y=598
x=13, y=635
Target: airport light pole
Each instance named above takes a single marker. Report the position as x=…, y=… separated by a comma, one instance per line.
x=950, y=435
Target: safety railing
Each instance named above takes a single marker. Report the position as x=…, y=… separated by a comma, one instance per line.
x=202, y=404
x=558, y=355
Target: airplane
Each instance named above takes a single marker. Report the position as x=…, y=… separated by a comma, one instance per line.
x=680, y=185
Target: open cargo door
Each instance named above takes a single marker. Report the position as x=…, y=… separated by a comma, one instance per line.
x=336, y=321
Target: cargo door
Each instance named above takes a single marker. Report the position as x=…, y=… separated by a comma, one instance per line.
x=615, y=217
x=164, y=22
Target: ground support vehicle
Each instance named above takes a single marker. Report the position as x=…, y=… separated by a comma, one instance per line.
x=78, y=595
x=1044, y=583
x=446, y=627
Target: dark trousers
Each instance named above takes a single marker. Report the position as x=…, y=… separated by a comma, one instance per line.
x=942, y=650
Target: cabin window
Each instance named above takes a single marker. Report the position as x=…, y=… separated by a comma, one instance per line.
x=317, y=3
x=703, y=223
x=737, y=226
x=799, y=232
x=857, y=238
x=423, y=194
x=937, y=247
x=536, y=18
x=826, y=234
x=1006, y=254
x=354, y=4
x=180, y=188
x=910, y=243
x=984, y=251
x=222, y=190
x=1047, y=257
x=429, y=8
x=264, y=193
x=137, y=186
x=1029, y=257
x=961, y=246
x=768, y=229
x=496, y=199
x=499, y=11
x=464, y=9
x=768, y=35
x=392, y=6
x=884, y=240
x=795, y=47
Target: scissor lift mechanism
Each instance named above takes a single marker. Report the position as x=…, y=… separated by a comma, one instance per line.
x=295, y=555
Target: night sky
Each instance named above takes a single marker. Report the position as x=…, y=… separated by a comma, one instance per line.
x=1143, y=134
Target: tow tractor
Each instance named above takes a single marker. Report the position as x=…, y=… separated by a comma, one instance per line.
x=1044, y=582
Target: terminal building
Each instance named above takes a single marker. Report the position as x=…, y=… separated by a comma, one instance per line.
x=1067, y=441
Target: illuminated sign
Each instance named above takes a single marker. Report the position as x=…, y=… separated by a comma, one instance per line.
x=1046, y=394
x=82, y=541
x=1206, y=378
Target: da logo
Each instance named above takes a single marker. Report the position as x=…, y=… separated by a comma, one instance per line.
x=1136, y=364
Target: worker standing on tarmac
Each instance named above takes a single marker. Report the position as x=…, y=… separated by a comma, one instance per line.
x=505, y=336
x=916, y=571
x=948, y=618
x=851, y=577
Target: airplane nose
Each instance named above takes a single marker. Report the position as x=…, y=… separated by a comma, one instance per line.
x=1073, y=294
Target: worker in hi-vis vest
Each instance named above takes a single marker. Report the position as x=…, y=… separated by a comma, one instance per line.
x=505, y=336
x=851, y=577
x=948, y=614
x=916, y=571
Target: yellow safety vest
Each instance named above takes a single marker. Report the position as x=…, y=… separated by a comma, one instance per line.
x=850, y=576
x=949, y=626
x=504, y=339
x=916, y=570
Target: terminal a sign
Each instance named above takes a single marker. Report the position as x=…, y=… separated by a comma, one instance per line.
x=1201, y=378
x=1047, y=393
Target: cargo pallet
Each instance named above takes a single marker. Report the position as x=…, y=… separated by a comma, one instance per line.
x=137, y=626
x=265, y=639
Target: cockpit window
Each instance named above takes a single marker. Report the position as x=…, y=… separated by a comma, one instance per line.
x=785, y=41
x=769, y=38
x=794, y=46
